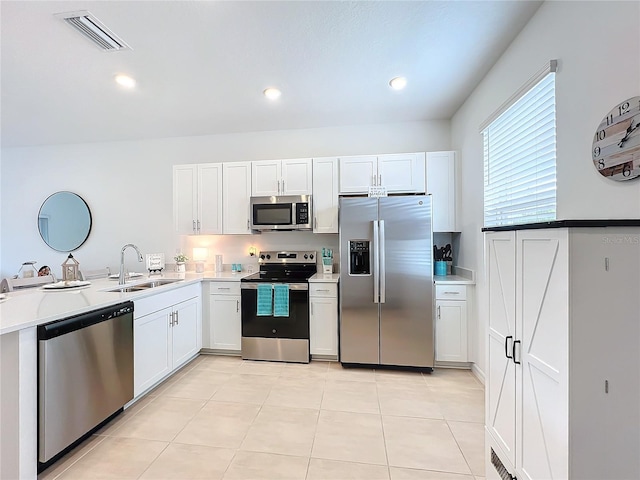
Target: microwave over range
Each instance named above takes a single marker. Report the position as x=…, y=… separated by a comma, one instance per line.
x=291, y=212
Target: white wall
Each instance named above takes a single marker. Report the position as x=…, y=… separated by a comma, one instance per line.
x=596, y=45
x=128, y=187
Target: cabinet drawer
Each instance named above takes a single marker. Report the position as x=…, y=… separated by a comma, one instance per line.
x=323, y=290
x=224, y=288
x=451, y=292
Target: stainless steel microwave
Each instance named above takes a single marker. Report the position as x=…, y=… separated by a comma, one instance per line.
x=292, y=212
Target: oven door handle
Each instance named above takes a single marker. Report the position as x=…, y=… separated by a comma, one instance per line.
x=292, y=286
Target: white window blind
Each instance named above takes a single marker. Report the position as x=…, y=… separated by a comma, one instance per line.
x=520, y=159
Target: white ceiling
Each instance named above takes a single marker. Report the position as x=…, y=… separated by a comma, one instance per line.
x=201, y=66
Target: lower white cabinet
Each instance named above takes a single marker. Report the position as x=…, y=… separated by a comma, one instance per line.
x=167, y=332
x=323, y=319
x=451, y=323
x=563, y=368
x=224, y=323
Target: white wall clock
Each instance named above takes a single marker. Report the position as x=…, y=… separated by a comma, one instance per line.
x=616, y=143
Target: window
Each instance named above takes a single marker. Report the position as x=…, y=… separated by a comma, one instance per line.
x=520, y=156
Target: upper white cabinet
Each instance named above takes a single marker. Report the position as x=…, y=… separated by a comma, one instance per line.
x=197, y=198
x=236, y=193
x=325, y=195
x=441, y=184
x=399, y=173
x=281, y=177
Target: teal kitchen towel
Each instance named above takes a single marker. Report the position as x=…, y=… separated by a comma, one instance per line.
x=281, y=300
x=264, y=306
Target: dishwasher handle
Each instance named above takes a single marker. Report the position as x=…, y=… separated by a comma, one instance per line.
x=83, y=320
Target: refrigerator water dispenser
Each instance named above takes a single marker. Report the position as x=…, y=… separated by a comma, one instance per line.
x=359, y=263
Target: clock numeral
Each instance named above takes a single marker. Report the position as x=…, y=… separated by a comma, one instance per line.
x=601, y=164
x=596, y=152
x=610, y=119
x=623, y=108
x=600, y=135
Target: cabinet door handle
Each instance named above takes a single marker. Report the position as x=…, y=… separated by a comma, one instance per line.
x=513, y=352
x=319, y=290
x=438, y=311
x=194, y=226
x=506, y=348
x=283, y=187
x=278, y=182
x=380, y=179
x=452, y=293
x=247, y=224
x=374, y=180
x=237, y=306
x=177, y=317
x=315, y=222
x=198, y=226
x=311, y=308
x=224, y=288
x=171, y=319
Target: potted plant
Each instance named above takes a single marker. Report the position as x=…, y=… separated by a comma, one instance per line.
x=180, y=259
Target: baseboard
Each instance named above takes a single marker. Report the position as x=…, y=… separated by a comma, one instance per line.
x=479, y=374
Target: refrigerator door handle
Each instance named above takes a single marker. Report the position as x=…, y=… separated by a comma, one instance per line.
x=376, y=263
x=382, y=274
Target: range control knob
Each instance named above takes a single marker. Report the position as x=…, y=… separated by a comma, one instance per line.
x=311, y=256
x=268, y=257
x=261, y=257
x=306, y=256
x=273, y=331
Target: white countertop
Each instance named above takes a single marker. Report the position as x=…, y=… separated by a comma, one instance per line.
x=225, y=276
x=452, y=280
x=325, y=278
x=35, y=306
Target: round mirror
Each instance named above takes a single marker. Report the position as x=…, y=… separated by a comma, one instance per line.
x=64, y=221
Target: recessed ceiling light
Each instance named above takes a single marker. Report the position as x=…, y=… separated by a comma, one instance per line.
x=125, y=81
x=398, y=83
x=272, y=93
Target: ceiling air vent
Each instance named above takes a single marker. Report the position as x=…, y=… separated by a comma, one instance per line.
x=93, y=29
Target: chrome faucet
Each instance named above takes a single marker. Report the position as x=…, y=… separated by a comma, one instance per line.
x=121, y=278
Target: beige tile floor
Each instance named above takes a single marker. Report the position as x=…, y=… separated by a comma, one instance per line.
x=225, y=418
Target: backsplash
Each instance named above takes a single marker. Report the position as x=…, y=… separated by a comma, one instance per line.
x=235, y=248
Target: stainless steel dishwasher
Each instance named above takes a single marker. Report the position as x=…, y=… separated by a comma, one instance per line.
x=85, y=375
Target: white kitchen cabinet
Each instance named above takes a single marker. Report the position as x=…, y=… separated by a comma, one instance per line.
x=563, y=375
x=451, y=323
x=167, y=332
x=197, y=198
x=224, y=322
x=399, y=173
x=323, y=320
x=325, y=195
x=236, y=193
x=441, y=184
x=281, y=177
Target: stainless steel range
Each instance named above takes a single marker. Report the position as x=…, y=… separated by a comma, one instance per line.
x=275, y=307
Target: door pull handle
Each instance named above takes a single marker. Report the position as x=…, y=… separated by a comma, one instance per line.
x=514, y=352
x=194, y=226
x=237, y=306
x=177, y=317
x=198, y=226
x=171, y=319
x=439, y=312
x=283, y=187
x=506, y=349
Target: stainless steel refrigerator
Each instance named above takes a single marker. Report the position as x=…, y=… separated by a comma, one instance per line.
x=386, y=281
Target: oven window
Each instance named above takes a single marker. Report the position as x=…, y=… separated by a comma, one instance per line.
x=296, y=325
x=272, y=214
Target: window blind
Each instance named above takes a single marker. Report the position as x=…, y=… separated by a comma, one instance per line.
x=520, y=159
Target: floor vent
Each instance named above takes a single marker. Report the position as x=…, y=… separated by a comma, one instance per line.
x=93, y=29
x=500, y=468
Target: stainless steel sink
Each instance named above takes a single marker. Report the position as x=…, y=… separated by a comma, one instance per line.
x=143, y=286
